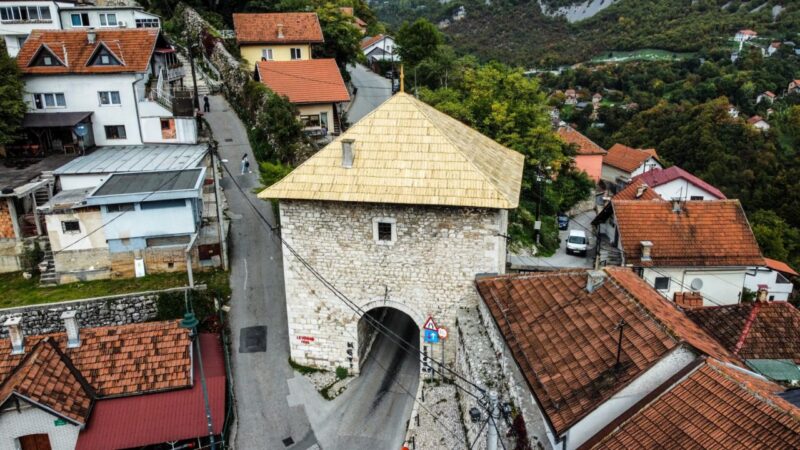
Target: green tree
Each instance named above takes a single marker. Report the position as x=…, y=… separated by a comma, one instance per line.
x=12, y=104
x=417, y=41
x=776, y=238
x=342, y=38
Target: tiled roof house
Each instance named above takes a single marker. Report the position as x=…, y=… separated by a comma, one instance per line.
x=622, y=163
x=589, y=156
x=277, y=36
x=674, y=182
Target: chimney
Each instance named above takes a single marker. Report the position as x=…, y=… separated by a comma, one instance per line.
x=70, y=319
x=14, y=327
x=640, y=190
x=762, y=295
x=647, y=246
x=676, y=205
x=91, y=36
x=280, y=31
x=348, y=154
x=594, y=280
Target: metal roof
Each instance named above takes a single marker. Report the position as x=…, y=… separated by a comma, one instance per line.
x=148, y=182
x=775, y=369
x=54, y=119
x=136, y=158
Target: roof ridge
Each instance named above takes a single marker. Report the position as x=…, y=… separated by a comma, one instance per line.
x=748, y=325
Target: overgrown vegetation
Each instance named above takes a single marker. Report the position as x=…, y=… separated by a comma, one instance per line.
x=12, y=104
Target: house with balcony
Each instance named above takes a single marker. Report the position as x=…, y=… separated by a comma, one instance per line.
x=277, y=36
x=775, y=277
x=87, y=87
x=622, y=163
x=314, y=86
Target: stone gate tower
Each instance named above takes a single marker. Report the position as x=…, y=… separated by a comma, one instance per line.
x=402, y=210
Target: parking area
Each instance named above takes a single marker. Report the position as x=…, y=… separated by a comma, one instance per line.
x=561, y=259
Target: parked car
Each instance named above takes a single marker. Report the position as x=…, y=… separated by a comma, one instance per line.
x=563, y=221
x=577, y=244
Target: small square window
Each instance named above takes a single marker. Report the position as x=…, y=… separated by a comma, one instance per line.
x=696, y=197
x=662, y=283
x=120, y=207
x=70, y=226
x=384, y=231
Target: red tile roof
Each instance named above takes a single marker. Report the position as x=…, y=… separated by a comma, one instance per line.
x=564, y=339
x=657, y=177
x=688, y=300
x=780, y=266
x=133, y=47
x=748, y=32
x=134, y=422
x=716, y=408
x=759, y=330
x=769, y=93
x=120, y=360
x=705, y=233
x=298, y=28
x=631, y=192
x=306, y=81
x=626, y=158
x=47, y=378
x=367, y=41
x=585, y=145
x=754, y=120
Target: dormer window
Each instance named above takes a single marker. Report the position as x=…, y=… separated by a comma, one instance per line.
x=45, y=58
x=103, y=57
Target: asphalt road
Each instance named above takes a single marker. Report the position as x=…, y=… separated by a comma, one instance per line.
x=373, y=90
x=560, y=259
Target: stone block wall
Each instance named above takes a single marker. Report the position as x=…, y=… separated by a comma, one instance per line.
x=10, y=251
x=428, y=271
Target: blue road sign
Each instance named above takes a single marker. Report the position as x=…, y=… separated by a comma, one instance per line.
x=431, y=336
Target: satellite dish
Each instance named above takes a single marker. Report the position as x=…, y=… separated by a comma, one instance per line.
x=81, y=129
x=696, y=284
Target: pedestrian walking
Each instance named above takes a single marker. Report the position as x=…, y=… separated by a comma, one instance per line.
x=206, y=106
x=245, y=164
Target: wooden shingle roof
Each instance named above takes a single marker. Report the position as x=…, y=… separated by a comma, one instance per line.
x=407, y=152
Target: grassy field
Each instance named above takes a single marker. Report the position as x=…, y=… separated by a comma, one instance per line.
x=647, y=54
x=19, y=292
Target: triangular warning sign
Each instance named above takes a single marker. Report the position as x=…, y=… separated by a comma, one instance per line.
x=430, y=324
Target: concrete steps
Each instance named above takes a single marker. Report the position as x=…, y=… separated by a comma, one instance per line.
x=188, y=83
x=47, y=268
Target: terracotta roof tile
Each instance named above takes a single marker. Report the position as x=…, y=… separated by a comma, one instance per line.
x=704, y=233
x=367, y=41
x=657, y=177
x=688, y=300
x=120, y=360
x=626, y=158
x=542, y=314
x=585, y=145
x=773, y=332
x=780, y=266
x=631, y=192
x=715, y=407
x=47, y=378
x=297, y=28
x=305, y=81
x=132, y=46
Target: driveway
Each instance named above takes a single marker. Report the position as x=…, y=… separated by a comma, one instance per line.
x=561, y=259
x=373, y=90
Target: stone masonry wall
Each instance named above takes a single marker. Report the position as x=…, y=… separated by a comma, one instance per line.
x=428, y=271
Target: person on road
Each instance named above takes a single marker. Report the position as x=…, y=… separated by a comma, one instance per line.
x=245, y=164
x=206, y=106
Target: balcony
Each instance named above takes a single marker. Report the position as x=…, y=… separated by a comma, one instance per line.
x=175, y=73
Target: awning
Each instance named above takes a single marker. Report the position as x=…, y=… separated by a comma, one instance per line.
x=165, y=50
x=151, y=419
x=54, y=119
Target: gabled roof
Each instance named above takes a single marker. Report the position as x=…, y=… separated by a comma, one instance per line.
x=47, y=378
x=754, y=330
x=657, y=177
x=755, y=119
x=631, y=191
x=780, y=266
x=585, y=145
x=626, y=158
x=715, y=407
x=748, y=32
x=305, y=81
x=769, y=93
x=119, y=360
x=133, y=47
x=564, y=339
x=407, y=152
x=297, y=28
x=369, y=40
x=704, y=233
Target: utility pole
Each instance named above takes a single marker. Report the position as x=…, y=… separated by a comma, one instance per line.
x=220, y=225
x=194, y=77
x=491, y=433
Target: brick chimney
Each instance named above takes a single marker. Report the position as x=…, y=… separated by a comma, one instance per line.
x=688, y=300
x=280, y=30
x=14, y=327
x=647, y=246
x=762, y=295
x=348, y=153
x=70, y=319
x=594, y=279
x=676, y=205
x=91, y=36
x=640, y=190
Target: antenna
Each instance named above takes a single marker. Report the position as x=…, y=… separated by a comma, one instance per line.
x=621, y=328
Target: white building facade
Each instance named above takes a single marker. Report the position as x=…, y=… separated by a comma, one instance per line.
x=19, y=18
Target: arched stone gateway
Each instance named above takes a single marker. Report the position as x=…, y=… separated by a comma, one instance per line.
x=393, y=328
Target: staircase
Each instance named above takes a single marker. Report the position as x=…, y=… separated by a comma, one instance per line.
x=188, y=83
x=47, y=268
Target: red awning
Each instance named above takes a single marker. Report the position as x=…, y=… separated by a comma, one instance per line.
x=165, y=50
x=164, y=417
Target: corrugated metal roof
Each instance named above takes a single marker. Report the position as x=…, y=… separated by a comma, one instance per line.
x=136, y=158
x=775, y=369
x=145, y=182
x=132, y=422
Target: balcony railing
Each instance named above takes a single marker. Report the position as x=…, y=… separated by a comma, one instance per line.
x=175, y=73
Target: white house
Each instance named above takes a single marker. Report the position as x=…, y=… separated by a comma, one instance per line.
x=679, y=246
x=758, y=122
x=773, y=47
x=622, y=163
x=676, y=183
x=775, y=276
x=766, y=96
x=745, y=35
x=121, y=85
x=379, y=48
x=106, y=16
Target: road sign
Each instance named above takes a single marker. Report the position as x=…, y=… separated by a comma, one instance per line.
x=431, y=336
x=430, y=324
x=442, y=333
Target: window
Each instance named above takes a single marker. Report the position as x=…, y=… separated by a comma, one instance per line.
x=266, y=54
x=70, y=226
x=168, y=129
x=49, y=100
x=384, y=230
x=108, y=20
x=662, y=283
x=109, y=98
x=80, y=19
x=44, y=57
x=296, y=53
x=121, y=207
x=115, y=132
x=21, y=40
x=323, y=120
x=34, y=442
x=25, y=14
x=310, y=120
x=103, y=57
x=696, y=197
x=147, y=23
x=162, y=204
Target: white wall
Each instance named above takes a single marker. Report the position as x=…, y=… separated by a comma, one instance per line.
x=89, y=220
x=31, y=420
x=81, y=94
x=623, y=400
x=763, y=275
x=387, y=44
x=681, y=188
x=124, y=15
x=185, y=129
x=720, y=285
x=647, y=166
x=151, y=222
x=11, y=30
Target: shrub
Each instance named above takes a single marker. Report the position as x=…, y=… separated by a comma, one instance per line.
x=342, y=373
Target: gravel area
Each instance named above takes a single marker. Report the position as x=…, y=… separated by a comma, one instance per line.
x=436, y=423
x=327, y=384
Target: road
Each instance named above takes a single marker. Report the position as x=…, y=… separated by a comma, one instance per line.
x=373, y=90
x=560, y=259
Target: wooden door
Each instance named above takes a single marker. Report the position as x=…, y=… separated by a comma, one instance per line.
x=35, y=442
